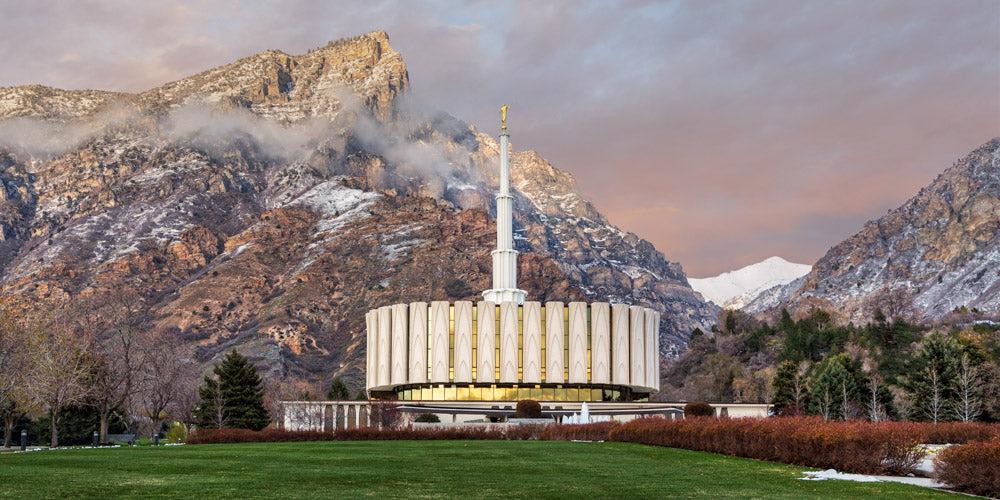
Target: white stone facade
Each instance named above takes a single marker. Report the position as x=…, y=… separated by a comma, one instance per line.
x=531, y=344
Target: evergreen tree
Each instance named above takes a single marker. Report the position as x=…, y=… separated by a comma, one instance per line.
x=211, y=410
x=930, y=378
x=338, y=390
x=879, y=405
x=836, y=392
x=240, y=393
x=789, y=390
x=730, y=322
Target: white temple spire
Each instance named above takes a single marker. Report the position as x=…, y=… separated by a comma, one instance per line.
x=504, y=257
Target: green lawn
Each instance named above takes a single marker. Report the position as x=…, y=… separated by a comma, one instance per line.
x=412, y=469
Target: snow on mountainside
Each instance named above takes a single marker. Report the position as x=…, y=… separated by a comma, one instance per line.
x=938, y=251
x=773, y=296
x=268, y=203
x=735, y=289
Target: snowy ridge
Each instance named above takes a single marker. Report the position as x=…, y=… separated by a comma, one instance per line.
x=937, y=252
x=773, y=296
x=735, y=289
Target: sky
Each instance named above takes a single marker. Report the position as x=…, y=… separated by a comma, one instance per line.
x=723, y=132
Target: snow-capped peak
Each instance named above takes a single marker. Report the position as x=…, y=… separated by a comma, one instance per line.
x=735, y=289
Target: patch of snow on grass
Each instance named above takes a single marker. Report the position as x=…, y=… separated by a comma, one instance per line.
x=823, y=475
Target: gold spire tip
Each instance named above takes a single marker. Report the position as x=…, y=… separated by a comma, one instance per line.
x=503, y=117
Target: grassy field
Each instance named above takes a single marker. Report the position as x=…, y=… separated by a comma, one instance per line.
x=415, y=469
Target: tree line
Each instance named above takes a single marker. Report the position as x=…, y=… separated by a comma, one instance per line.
x=102, y=360
x=886, y=369
x=99, y=354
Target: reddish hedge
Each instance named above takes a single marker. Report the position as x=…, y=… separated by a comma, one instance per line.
x=957, y=432
x=217, y=436
x=856, y=446
x=526, y=432
x=581, y=432
x=418, y=434
x=516, y=433
x=973, y=468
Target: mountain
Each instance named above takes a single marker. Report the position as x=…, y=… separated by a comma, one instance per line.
x=268, y=203
x=735, y=289
x=937, y=252
x=773, y=297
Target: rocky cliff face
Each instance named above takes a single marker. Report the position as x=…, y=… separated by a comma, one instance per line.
x=269, y=203
x=939, y=251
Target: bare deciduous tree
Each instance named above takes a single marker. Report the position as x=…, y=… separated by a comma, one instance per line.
x=212, y=392
x=304, y=416
x=968, y=384
x=187, y=399
x=825, y=403
x=15, y=361
x=113, y=322
x=61, y=367
x=876, y=411
x=848, y=410
x=935, y=401
x=384, y=413
x=757, y=387
x=166, y=367
x=799, y=388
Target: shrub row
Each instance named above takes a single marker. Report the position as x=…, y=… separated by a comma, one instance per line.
x=219, y=436
x=515, y=433
x=972, y=468
x=855, y=446
x=421, y=434
x=599, y=431
x=956, y=432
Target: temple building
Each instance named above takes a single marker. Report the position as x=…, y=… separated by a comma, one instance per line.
x=473, y=361
x=507, y=348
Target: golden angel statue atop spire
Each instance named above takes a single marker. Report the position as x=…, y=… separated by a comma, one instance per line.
x=503, y=116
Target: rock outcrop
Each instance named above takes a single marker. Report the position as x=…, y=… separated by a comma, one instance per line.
x=937, y=252
x=269, y=203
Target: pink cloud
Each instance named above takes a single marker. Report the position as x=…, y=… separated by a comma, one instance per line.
x=722, y=132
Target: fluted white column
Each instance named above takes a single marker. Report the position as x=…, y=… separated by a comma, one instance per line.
x=418, y=343
x=486, y=337
x=463, y=341
x=508, y=342
x=399, y=347
x=384, y=342
x=555, y=367
x=531, y=326
x=656, y=344
x=652, y=356
x=440, y=331
x=637, y=328
x=577, y=343
x=600, y=340
x=371, y=348
x=619, y=346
